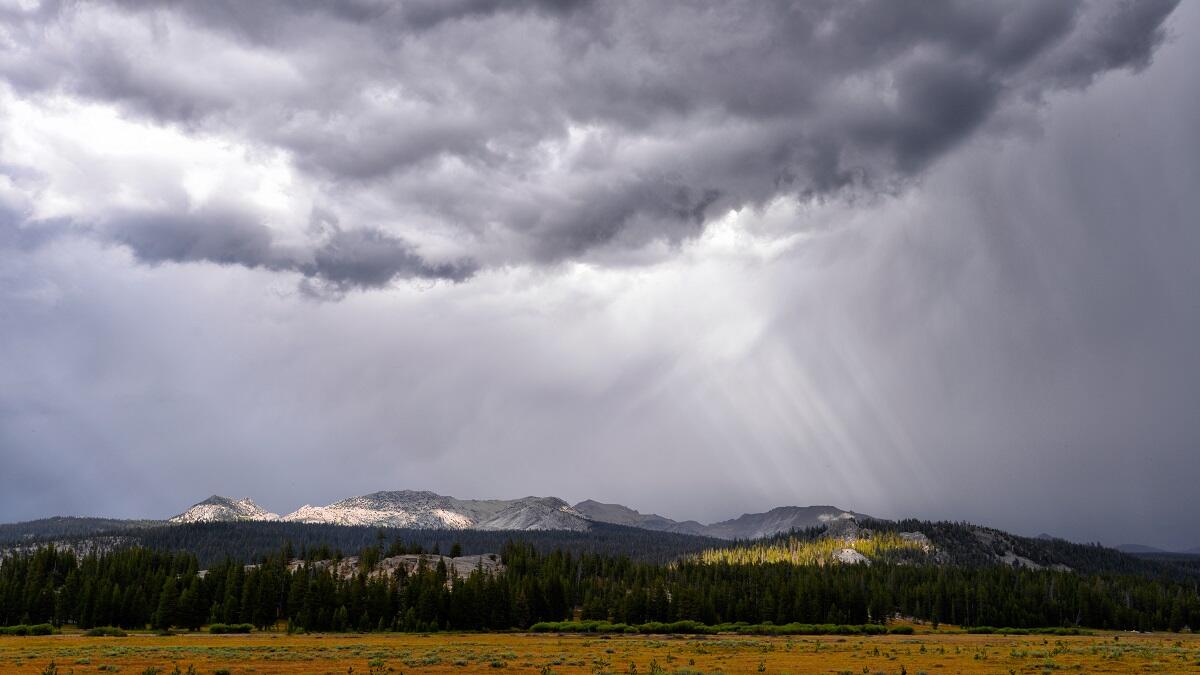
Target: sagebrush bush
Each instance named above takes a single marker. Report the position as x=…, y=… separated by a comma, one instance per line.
x=219, y=628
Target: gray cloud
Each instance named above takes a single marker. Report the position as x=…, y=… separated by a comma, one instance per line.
x=224, y=237
x=696, y=108
x=981, y=306
x=363, y=258
x=342, y=260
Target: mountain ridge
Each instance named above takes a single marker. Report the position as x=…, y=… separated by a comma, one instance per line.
x=353, y=524
x=619, y=514
x=423, y=509
x=1139, y=548
x=778, y=520
x=428, y=510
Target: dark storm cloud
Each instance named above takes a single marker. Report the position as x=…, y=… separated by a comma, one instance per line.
x=365, y=258
x=697, y=107
x=983, y=308
x=343, y=260
x=224, y=237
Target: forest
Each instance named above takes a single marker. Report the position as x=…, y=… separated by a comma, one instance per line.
x=139, y=587
x=249, y=542
x=956, y=544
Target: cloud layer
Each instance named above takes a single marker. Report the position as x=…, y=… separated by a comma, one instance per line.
x=932, y=260
x=451, y=136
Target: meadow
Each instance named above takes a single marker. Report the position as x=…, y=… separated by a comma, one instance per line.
x=936, y=652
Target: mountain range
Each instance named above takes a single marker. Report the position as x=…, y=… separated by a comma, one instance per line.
x=428, y=510
x=552, y=517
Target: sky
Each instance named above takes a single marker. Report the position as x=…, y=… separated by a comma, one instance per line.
x=934, y=260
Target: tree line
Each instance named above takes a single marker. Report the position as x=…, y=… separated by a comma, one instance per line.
x=249, y=542
x=139, y=587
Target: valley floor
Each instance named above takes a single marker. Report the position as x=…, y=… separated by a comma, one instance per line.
x=944, y=653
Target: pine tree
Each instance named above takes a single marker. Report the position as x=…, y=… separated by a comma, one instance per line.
x=168, y=603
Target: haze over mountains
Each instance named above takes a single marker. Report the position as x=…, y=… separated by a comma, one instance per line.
x=428, y=510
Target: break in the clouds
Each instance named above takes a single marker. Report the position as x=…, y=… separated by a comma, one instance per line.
x=932, y=259
x=443, y=137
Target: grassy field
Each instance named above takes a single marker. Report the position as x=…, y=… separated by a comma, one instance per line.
x=551, y=653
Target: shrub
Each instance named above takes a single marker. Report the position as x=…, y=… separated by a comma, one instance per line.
x=221, y=628
x=105, y=631
x=989, y=630
x=26, y=629
x=697, y=628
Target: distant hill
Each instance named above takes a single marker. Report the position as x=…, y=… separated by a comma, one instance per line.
x=68, y=526
x=869, y=541
x=746, y=526
x=1143, y=550
x=623, y=515
x=780, y=519
x=217, y=509
x=1139, y=548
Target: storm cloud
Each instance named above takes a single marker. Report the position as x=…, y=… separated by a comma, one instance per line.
x=510, y=133
x=931, y=259
x=342, y=260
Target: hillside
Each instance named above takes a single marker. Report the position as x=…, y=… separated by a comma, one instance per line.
x=945, y=544
x=841, y=542
x=618, y=514
x=746, y=526
x=777, y=520
x=68, y=526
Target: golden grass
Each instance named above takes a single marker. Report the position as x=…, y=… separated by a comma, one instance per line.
x=804, y=552
x=530, y=653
